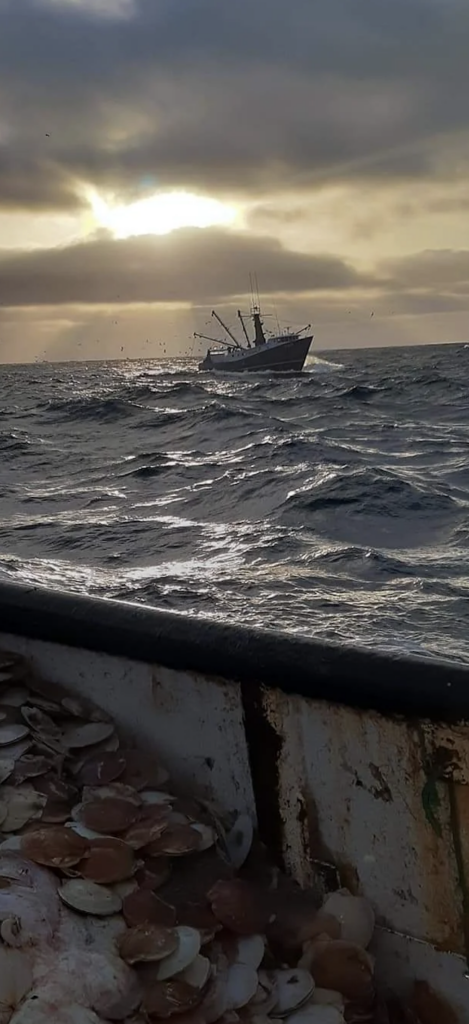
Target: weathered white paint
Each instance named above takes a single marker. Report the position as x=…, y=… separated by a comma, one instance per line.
x=195, y=725
x=361, y=779
x=350, y=793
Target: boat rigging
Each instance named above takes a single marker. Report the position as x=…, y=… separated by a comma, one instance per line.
x=283, y=352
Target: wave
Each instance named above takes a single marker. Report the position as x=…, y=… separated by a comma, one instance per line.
x=370, y=492
x=11, y=444
x=361, y=392
x=332, y=502
x=100, y=409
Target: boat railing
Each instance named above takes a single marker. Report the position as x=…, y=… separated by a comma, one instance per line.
x=354, y=762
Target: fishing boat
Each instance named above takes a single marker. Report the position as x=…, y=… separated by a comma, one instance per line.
x=353, y=765
x=279, y=353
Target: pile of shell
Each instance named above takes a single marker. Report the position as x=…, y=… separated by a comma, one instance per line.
x=121, y=901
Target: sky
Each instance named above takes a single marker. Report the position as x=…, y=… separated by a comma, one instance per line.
x=155, y=153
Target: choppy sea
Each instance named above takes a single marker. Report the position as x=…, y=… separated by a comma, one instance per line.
x=334, y=503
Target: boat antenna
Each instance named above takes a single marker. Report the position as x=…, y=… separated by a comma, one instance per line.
x=251, y=285
x=246, y=335
x=277, y=319
x=227, y=329
x=257, y=293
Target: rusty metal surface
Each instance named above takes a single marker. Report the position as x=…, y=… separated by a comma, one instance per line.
x=356, y=791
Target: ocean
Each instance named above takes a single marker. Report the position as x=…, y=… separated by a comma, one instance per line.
x=333, y=503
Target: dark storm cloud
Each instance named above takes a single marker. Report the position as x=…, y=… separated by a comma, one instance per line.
x=240, y=96
x=186, y=266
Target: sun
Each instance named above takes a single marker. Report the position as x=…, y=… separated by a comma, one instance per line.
x=159, y=214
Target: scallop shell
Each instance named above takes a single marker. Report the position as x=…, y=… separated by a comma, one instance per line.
x=31, y=766
x=177, y=818
x=165, y=998
x=101, y=769
x=209, y=836
x=148, y=943
x=7, y=766
x=250, y=950
x=215, y=1001
x=265, y=998
x=23, y=804
x=114, y=790
x=354, y=914
x=12, y=733
x=241, y=907
x=241, y=985
x=106, y=861
x=77, y=761
x=125, y=888
x=148, y=828
x=86, y=735
x=80, y=708
x=176, y=841
x=197, y=973
x=90, y=898
x=143, y=907
x=156, y=796
x=187, y=949
x=343, y=967
x=54, y=847
x=11, y=845
x=55, y=789
x=51, y=707
x=143, y=771
x=108, y=816
x=39, y=721
x=293, y=988
x=16, y=750
x=55, y=812
x=83, y=831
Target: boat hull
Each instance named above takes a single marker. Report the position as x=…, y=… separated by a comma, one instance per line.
x=283, y=357
x=355, y=764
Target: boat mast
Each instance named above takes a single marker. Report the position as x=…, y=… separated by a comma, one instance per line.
x=225, y=328
x=259, y=336
x=246, y=335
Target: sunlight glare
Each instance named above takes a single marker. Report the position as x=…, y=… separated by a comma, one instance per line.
x=159, y=214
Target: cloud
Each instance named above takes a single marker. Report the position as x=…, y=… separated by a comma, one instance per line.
x=238, y=97
x=183, y=267
x=442, y=269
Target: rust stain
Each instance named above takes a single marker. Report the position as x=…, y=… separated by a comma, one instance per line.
x=433, y=841
x=447, y=747
x=459, y=807
x=382, y=790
